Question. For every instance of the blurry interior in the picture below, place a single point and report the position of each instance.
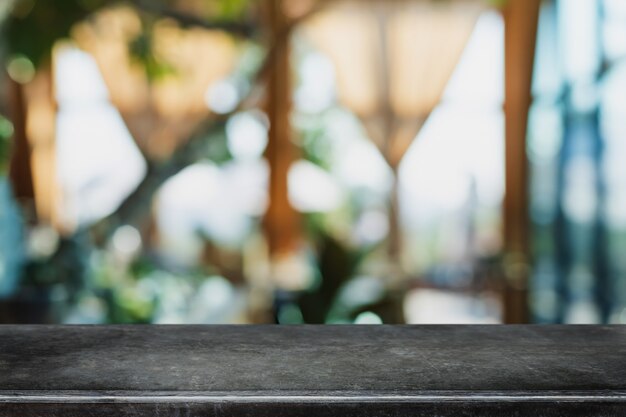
(312, 161)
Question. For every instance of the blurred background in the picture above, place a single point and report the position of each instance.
(312, 161)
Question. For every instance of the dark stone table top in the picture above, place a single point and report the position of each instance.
(313, 370)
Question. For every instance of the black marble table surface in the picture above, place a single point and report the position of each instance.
(275, 371)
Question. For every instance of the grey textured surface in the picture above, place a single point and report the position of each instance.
(313, 370)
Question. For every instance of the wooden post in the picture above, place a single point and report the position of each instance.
(20, 171)
(520, 17)
(41, 126)
(282, 223)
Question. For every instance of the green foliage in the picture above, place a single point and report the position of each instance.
(66, 267)
(6, 131)
(232, 9)
(117, 285)
(217, 147)
(130, 305)
(218, 152)
(34, 26)
(141, 49)
(314, 140)
(337, 265)
(498, 3)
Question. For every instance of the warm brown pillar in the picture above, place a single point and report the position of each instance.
(41, 126)
(520, 17)
(20, 173)
(282, 223)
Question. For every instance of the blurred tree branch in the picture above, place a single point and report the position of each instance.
(133, 209)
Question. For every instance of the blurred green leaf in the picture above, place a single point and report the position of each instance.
(6, 131)
(217, 147)
(498, 3)
(141, 50)
(33, 27)
(232, 9)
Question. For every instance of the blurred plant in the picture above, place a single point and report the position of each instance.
(498, 3)
(148, 290)
(6, 131)
(340, 294)
(336, 266)
(117, 284)
(55, 260)
(142, 51)
(33, 27)
(314, 141)
(233, 9)
(52, 276)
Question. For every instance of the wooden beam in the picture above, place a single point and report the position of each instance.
(520, 17)
(20, 171)
(282, 223)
